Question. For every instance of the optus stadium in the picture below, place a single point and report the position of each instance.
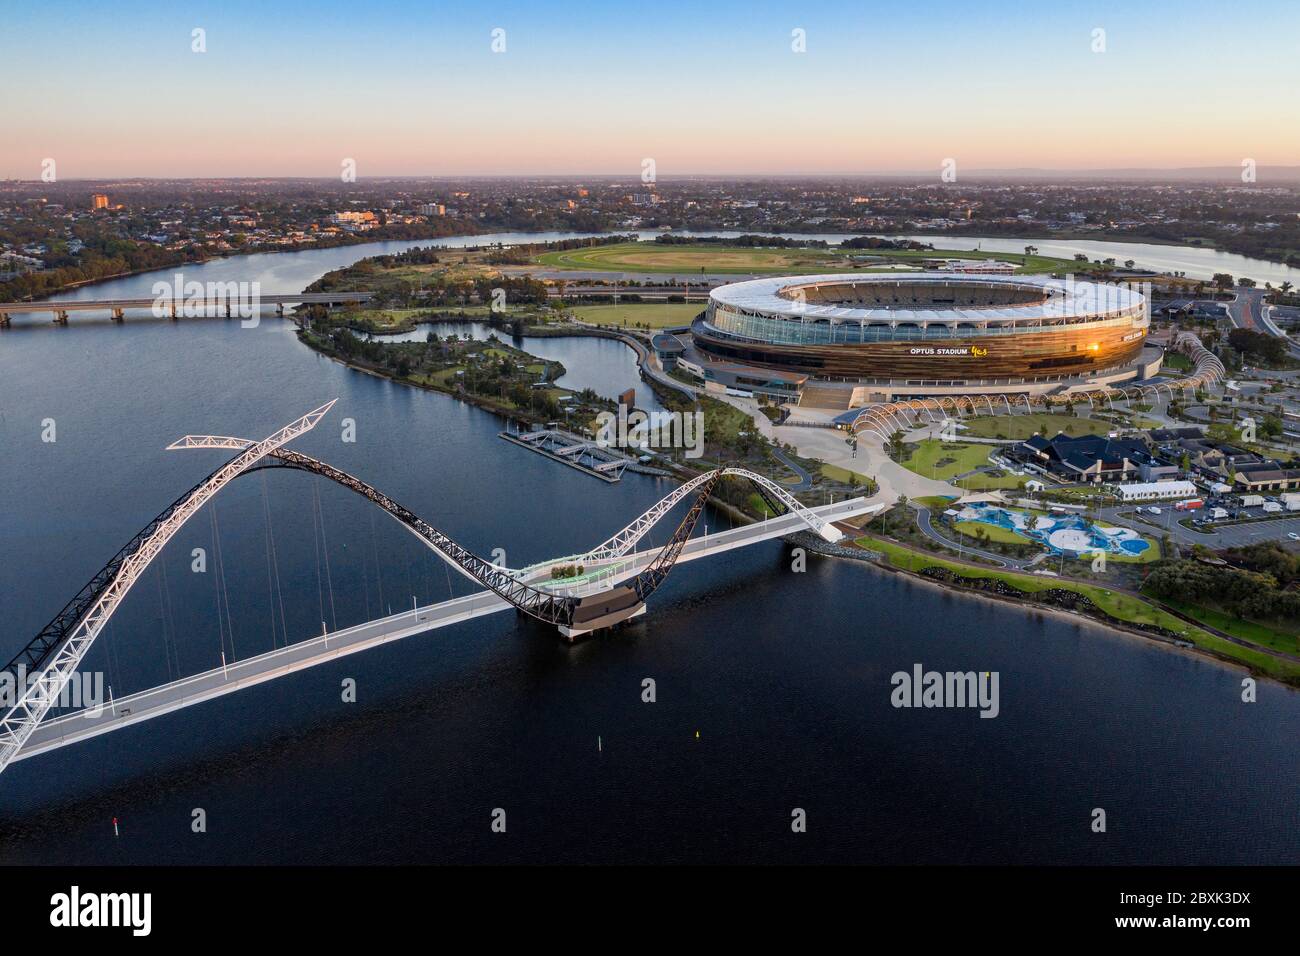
(857, 339)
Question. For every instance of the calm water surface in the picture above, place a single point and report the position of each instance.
(773, 687)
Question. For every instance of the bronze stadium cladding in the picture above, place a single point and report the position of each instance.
(1038, 354)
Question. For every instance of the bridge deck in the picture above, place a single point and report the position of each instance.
(215, 300)
(165, 698)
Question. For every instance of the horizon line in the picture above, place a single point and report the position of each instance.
(1037, 171)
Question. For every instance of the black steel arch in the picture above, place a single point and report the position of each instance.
(559, 610)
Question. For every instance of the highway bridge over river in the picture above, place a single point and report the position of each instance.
(216, 301)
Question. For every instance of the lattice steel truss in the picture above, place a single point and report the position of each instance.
(61, 645)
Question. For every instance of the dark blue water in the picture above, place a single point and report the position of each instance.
(783, 676)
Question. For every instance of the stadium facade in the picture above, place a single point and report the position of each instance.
(892, 335)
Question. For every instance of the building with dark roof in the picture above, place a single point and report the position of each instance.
(1096, 458)
(1266, 476)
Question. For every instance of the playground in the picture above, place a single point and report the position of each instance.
(1071, 534)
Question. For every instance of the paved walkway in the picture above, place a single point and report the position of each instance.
(805, 479)
(831, 446)
(930, 531)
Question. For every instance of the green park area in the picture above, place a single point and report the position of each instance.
(1276, 636)
(1020, 426)
(844, 476)
(1121, 607)
(639, 314)
(944, 461)
(932, 458)
(717, 258)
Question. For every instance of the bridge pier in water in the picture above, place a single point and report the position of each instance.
(600, 611)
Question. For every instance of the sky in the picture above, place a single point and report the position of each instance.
(111, 90)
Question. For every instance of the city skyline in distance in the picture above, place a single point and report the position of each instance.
(735, 90)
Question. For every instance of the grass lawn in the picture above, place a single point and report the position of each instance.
(1122, 607)
(1020, 427)
(1262, 634)
(655, 315)
(707, 257)
(935, 501)
(986, 482)
(992, 532)
(746, 260)
(964, 457)
(844, 476)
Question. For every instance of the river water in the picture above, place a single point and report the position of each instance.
(773, 687)
(606, 366)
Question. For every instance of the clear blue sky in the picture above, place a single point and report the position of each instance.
(414, 88)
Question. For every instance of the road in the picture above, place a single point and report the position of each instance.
(1248, 311)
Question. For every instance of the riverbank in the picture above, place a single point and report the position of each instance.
(451, 378)
(181, 262)
(1123, 611)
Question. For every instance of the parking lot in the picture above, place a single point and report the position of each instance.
(1219, 536)
(1250, 532)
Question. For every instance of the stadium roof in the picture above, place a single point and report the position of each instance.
(1062, 298)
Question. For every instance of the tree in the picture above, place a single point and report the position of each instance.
(896, 445)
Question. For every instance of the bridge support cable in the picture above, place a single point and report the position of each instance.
(778, 499)
(58, 651)
(645, 583)
(539, 603)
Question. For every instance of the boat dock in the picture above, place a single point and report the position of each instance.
(584, 454)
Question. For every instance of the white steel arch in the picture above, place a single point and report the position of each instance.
(626, 538)
(42, 691)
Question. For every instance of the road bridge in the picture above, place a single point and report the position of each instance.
(220, 299)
